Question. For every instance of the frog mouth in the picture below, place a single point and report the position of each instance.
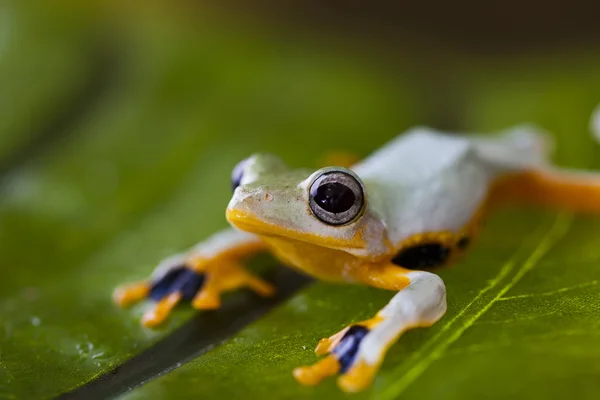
(250, 223)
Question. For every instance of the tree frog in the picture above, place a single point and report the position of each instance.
(388, 221)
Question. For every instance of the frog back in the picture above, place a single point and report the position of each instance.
(424, 182)
(427, 181)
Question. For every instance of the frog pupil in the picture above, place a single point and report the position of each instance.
(334, 197)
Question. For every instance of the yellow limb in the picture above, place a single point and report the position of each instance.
(200, 262)
(227, 276)
(575, 191)
(383, 276)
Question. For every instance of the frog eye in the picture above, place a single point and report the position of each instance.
(336, 197)
(237, 174)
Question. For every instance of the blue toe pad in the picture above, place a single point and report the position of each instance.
(179, 279)
(346, 350)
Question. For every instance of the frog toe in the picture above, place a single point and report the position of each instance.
(161, 310)
(127, 295)
(313, 374)
(358, 377)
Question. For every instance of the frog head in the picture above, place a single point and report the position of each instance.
(327, 208)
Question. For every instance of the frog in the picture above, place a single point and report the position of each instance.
(388, 221)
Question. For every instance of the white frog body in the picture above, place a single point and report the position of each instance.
(428, 181)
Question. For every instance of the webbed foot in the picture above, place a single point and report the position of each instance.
(180, 282)
(341, 352)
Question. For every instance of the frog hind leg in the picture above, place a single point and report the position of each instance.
(338, 158)
(521, 155)
(357, 351)
(577, 191)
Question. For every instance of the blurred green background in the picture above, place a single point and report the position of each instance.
(120, 124)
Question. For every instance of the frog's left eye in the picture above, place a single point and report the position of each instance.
(237, 174)
(336, 198)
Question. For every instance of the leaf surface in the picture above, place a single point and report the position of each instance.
(145, 173)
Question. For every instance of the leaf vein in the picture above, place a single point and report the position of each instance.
(550, 293)
(519, 319)
(477, 348)
(558, 230)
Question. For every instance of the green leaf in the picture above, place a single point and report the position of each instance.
(44, 71)
(523, 304)
(145, 173)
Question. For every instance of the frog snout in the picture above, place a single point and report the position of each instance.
(250, 200)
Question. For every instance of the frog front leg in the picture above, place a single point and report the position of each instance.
(198, 276)
(357, 351)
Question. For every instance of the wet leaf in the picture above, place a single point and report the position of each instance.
(145, 173)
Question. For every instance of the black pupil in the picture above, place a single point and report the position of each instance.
(334, 197)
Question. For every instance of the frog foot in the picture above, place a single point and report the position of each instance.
(341, 352)
(202, 288)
